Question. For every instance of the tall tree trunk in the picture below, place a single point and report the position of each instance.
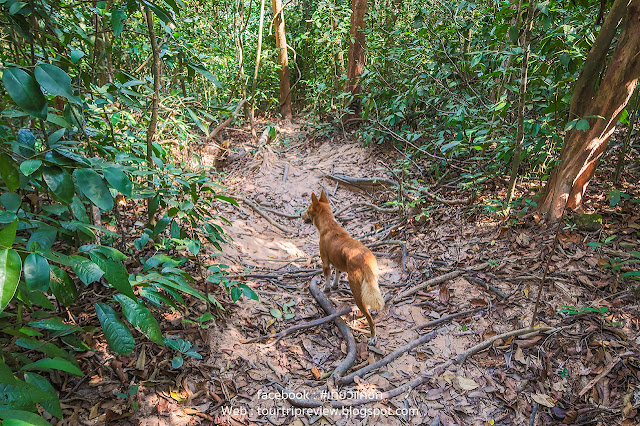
(524, 75)
(356, 55)
(255, 74)
(283, 60)
(582, 150)
(155, 68)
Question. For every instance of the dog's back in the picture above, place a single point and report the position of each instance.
(348, 255)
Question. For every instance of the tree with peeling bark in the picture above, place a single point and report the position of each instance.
(601, 108)
(283, 59)
(355, 65)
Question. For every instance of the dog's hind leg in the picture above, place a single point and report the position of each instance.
(357, 288)
(326, 271)
(336, 279)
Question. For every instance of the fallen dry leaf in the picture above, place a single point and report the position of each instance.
(543, 399)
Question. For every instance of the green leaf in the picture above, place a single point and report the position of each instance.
(48, 364)
(514, 34)
(160, 12)
(93, 187)
(29, 166)
(19, 418)
(141, 317)
(142, 241)
(229, 200)
(52, 405)
(117, 334)
(43, 238)
(118, 180)
(194, 247)
(247, 291)
(62, 287)
(60, 183)
(75, 55)
(11, 201)
(275, 312)
(199, 123)
(177, 362)
(8, 234)
(86, 270)
(55, 81)
(206, 74)
(10, 268)
(36, 272)
(582, 124)
(115, 273)
(9, 172)
(25, 92)
(117, 18)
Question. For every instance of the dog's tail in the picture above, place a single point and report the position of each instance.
(371, 295)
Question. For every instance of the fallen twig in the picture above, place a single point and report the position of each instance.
(455, 202)
(596, 379)
(369, 205)
(257, 209)
(277, 276)
(355, 181)
(444, 319)
(395, 242)
(387, 359)
(287, 215)
(342, 326)
(461, 358)
(226, 122)
(488, 286)
(294, 328)
(432, 281)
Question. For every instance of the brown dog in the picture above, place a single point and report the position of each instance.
(337, 248)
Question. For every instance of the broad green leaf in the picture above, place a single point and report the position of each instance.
(25, 92)
(75, 55)
(48, 364)
(118, 180)
(514, 34)
(10, 268)
(229, 200)
(29, 166)
(275, 312)
(206, 74)
(60, 183)
(22, 418)
(86, 270)
(47, 348)
(117, 334)
(141, 317)
(54, 324)
(79, 210)
(115, 273)
(194, 247)
(55, 81)
(142, 241)
(26, 142)
(93, 187)
(36, 272)
(62, 286)
(11, 201)
(52, 405)
(43, 238)
(582, 124)
(177, 362)
(159, 12)
(117, 18)
(8, 234)
(9, 172)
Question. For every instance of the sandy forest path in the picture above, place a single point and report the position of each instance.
(501, 385)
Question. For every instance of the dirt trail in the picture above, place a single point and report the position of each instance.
(496, 385)
(259, 247)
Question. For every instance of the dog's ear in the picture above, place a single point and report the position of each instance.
(323, 197)
(314, 199)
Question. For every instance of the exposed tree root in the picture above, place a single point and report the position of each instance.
(295, 328)
(226, 122)
(258, 210)
(460, 359)
(369, 205)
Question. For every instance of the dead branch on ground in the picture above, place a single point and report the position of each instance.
(297, 327)
(257, 209)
